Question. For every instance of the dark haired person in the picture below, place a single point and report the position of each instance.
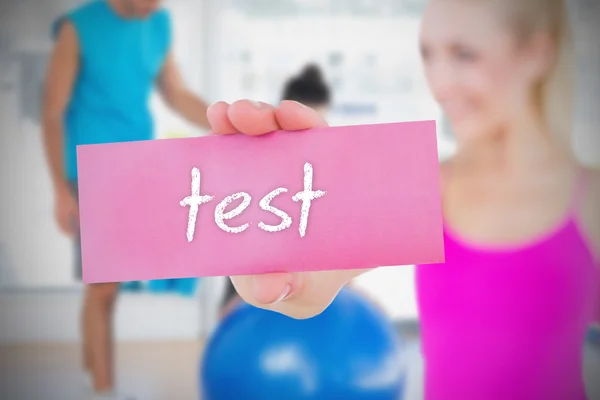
(309, 88)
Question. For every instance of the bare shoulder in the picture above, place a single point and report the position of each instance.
(66, 49)
(66, 33)
(590, 209)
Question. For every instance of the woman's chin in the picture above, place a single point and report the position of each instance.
(468, 133)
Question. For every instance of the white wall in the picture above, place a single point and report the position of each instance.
(27, 22)
(52, 315)
(585, 17)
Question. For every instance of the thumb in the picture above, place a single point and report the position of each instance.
(273, 288)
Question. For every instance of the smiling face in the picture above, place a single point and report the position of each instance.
(477, 70)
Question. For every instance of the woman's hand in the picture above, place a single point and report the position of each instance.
(298, 295)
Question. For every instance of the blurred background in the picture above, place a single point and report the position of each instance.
(227, 50)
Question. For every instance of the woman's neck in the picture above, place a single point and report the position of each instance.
(513, 149)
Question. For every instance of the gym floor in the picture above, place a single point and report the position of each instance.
(158, 370)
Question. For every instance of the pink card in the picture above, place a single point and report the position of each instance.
(320, 199)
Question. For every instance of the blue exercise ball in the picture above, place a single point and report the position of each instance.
(351, 351)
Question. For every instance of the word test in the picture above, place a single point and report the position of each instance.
(196, 199)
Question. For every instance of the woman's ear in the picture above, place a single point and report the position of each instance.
(541, 52)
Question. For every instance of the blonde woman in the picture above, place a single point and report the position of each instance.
(505, 317)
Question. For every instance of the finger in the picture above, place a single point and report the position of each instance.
(271, 288)
(266, 289)
(219, 120)
(293, 116)
(253, 118)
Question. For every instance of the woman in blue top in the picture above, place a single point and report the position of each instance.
(107, 58)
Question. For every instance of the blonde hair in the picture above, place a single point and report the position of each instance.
(555, 94)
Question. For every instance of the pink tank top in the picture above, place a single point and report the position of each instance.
(508, 324)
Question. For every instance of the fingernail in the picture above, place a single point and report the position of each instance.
(287, 291)
(215, 103)
(255, 104)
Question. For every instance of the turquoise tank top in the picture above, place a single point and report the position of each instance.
(120, 60)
